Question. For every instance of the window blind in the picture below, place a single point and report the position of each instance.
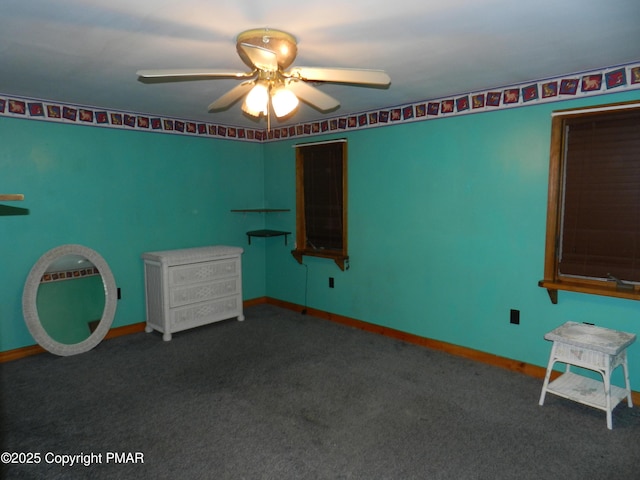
(323, 198)
(600, 230)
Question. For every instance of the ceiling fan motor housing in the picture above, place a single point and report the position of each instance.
(283, 44)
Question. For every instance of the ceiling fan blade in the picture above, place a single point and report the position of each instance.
(312, 95)
(342, 75)
(261, 58)
(191, 74)
(231, 97)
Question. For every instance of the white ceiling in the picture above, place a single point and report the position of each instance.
(86, 52)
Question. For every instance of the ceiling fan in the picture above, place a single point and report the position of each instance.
(269, 86)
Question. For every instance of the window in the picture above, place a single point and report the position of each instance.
(593, 215)
(321, 201)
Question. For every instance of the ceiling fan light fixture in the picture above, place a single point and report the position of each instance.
(271, 88)
(257, 101)
(283, 101)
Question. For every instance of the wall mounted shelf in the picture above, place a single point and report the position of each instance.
(10, 197)
(264, 232)
(7, 210)
(267, 233)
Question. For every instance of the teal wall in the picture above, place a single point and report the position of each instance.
(447, 224)
(120, 193)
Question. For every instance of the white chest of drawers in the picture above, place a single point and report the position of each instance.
(192, 287)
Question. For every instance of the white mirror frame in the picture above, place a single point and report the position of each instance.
(30, 295)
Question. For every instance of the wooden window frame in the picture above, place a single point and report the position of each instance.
(340, 256)
(553, 280)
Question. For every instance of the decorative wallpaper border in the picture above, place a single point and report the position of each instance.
(597, 82)
(48, 277)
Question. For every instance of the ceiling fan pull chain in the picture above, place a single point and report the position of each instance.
(269, 112)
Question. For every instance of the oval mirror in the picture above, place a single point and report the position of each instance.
(69, 300)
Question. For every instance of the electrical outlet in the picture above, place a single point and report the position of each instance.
(331, 282)
(119, 294)
(514, 317)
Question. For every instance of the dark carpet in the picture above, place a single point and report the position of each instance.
(287, 396)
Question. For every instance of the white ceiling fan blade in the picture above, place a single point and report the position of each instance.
(177, 73)
(261, 58)
(231, 97)
(312, 95)
(342, 75)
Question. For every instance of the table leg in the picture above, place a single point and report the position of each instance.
(606, 376)
(548, 374)
(627, 384)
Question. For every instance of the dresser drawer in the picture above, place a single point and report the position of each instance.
(190, 316)
(576, 355)
(203, 291)
(202, 272)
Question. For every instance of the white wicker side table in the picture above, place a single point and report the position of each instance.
(594, 348)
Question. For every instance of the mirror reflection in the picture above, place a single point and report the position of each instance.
(70, 299)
